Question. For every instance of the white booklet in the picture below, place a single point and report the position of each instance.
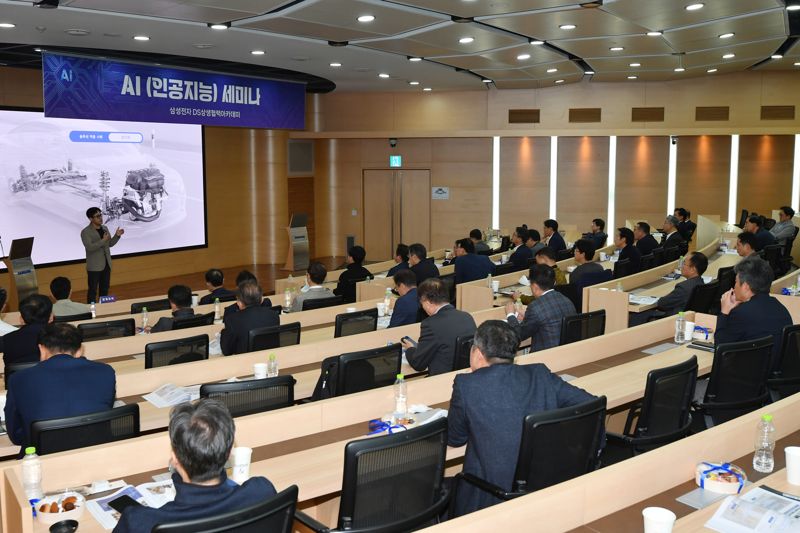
(154, 494)
(760, 510)
(169, 395)
(635, 299)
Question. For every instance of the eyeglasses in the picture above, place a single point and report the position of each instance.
(98, 215)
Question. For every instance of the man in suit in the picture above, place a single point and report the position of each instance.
(97, 241)
(406, 308)
(783, 230)
(645, 242)
(488, 406)
(755, 225)
(693, 268)
(598, 236)
(521, 253)
(542, 320)
(436, 348)
(313, 290)
(552, 237)
(201, 438)
(584, 255)
(22, 345)
(63, 384)
(215, 284)
(748, 312)
(354, 272)
(534, 242)
(251, 315)
(624, 241)
(477, 239)
(401, 258)
(685, 226)
(746, 244)
(422, 266)
(470, 266)
(241, 277)
(546, 257)
(61, 289)
(180, 301)
(672, 238)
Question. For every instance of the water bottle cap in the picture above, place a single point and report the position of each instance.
(272, 357)
(400, 376)
(30, 450)
(144, 309)
(216, 300)
(766, 418)
(680, 313)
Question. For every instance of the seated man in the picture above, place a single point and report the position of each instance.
(645, 242)
(180, 301)
(542, 320)
(534, 242)
(315, 277)
(624, 241)
(552, 237)
(488, 406)
(401, 258)
(584, 255)
(748, 311)
(61, 289)
(598, 236)
(477, 239)
(422, 266)
(755, 225)
(241, 277)
(22, 345)
(354, 272)
(694, 265)
(672, 238)
(746, 244)
(406, 307)
(201, 436)
(470, 266)
(783, 230)
(214, 283)
(437, 341)
(251, 315)
(63, 384)
(685, 226)
(547, 257)
(5, 327)
(521, 254)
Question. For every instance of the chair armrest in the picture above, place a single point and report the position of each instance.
(485, 486)
(310, 523)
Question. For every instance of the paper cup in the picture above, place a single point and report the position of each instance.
(504, 258)
(381, 308)
(195, 300)
(260, 370)
(495, 285)
(793, 464)
(658, 520)
(2, 405)
(240, 462)
(688, 331)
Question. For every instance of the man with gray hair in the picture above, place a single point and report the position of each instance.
(488, 406)
(251, 315)
(672, 236)
(201, 438)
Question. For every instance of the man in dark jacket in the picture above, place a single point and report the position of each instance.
(422, 266)
(645, 242)
(406, 308)
(214, 282)
(180, 302)
(470, 266)
(251, 315)
(22, 345)
(354, 273)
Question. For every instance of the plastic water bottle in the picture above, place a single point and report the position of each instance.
(763, 459)
(619, 287)
(400, 398)
(489, 281)
(387, 299)
(144, 319)
(680, 266)
(217, 310)
(287, 298)
(32, 474)
(93, 309)
(272, 366)
(680, 329)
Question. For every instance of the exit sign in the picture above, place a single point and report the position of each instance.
(395, 161)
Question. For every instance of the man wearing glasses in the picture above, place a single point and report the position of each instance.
(97, 240)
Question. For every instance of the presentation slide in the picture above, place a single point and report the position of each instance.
(146, 178)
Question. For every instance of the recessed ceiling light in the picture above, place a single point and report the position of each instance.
(567, 26)
(679, 69)
(728, 56)
(776, 56)
(589, 72)
(257, 52)
(203, 46)
(727, 35)
(300, 58)
(616, 49)
(635, 65)
(793, 7)
(7, 25)
(366, 18)
(551, 70)
(383, 75)
(797, 64)
(141, 38)
(466, 40)
(632, 77)
(537, 43)
(220, 26)
(694, 7)
(77, 32)
(415, 59)
(654, 34)
(523, 57)
(486, 80)
(711, 70)
(427, 89)
(336, 64)
(413, 83)
(559, 81)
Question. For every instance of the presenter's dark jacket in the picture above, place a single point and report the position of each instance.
(647, 244)
(486, 413)
(238, 325)
(347, 281)
(437, 340)
(59, 387)
(520, 256)
(196, 501)
(165, 322)
(234, 308)
(405, 309)
(557, 243)
(635, 256)
(22, 345)
(672, 240)
(676, 301)
(764, 238)
(219, 292)
(762, 315)
(542, 322)
(403, 265)
(470, 267)
(425, 269)
(98, 251)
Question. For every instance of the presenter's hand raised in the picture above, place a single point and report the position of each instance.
(119, 232)
(106, 236)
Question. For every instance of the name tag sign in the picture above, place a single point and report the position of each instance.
(83, 87)
(107, 299)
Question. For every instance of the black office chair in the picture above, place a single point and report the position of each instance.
(393, 483)
(11, 369)
(648, 261)
(273, 337)
(463, 348)
(582, 326)
(277, 308)
(703, 297)
(320, 303)
(252, 396)
(787, 248)
(485, 252)
(570, 290)
(73, 318)
(110, 329)
(622, 268)
(769, 223)
(505, 244)
(743, 218)
(726, 278)
(275, 515)
(358, 371)
(773, 254)
(672, 253)
(153, 305)
(658, 256)
(195, 321)
(449, 282)
(587, 280)
(561, 255)
(738, 382)
(224, 299)
(556, 446)
(349, 289)
(507, 268)
(70, 433)
(784, 379)
(176, 351)
(662, 416)
(354, 323)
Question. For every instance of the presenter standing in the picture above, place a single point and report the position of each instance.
(97, 240)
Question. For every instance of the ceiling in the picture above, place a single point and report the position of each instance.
(517, 44)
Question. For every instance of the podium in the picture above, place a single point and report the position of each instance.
(298, 255)
(21, 272)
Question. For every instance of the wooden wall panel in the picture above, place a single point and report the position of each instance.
(301, 200)
(702, 174)
(524, 181)
(765, 172)
(582, 192)
(641, 185)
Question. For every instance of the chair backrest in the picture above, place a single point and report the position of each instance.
(355, 323)
(176, 351)
(672, 253)
(193, 321)
(505, 243)
(727, 278)
(667, 399)
(277, 308)
(658, 255)
(153, 305)
(622, 268)
(559, 445)
(349, 289)
(589, 279)
(395, 479)
(570, 290)
(319, 303)
(275, 515)
(270, 337)
(368, 369)
(449, 282)
(703, 297)
(564, 254)
(69, 433)
(463, 347)
(787, 248)
(772, 255)
(253, 395)
(769, 223)
(10, 369)
(743, 218)
(648, 261)
(73, 318)
(507, 268)
(110, 329)
(785, 376)
(582, 326)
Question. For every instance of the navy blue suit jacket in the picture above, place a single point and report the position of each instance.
(425, 269)
(59, 387)
(521, 256)
(234, 308)
(473, 266)
(397, 268)
(486, 413)
(556, 242)
(238, 325)
(405, 309)
(437, 340)
(764, 238)
(635, 256)
(219, 292)
(647, 244)
(22, 346)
